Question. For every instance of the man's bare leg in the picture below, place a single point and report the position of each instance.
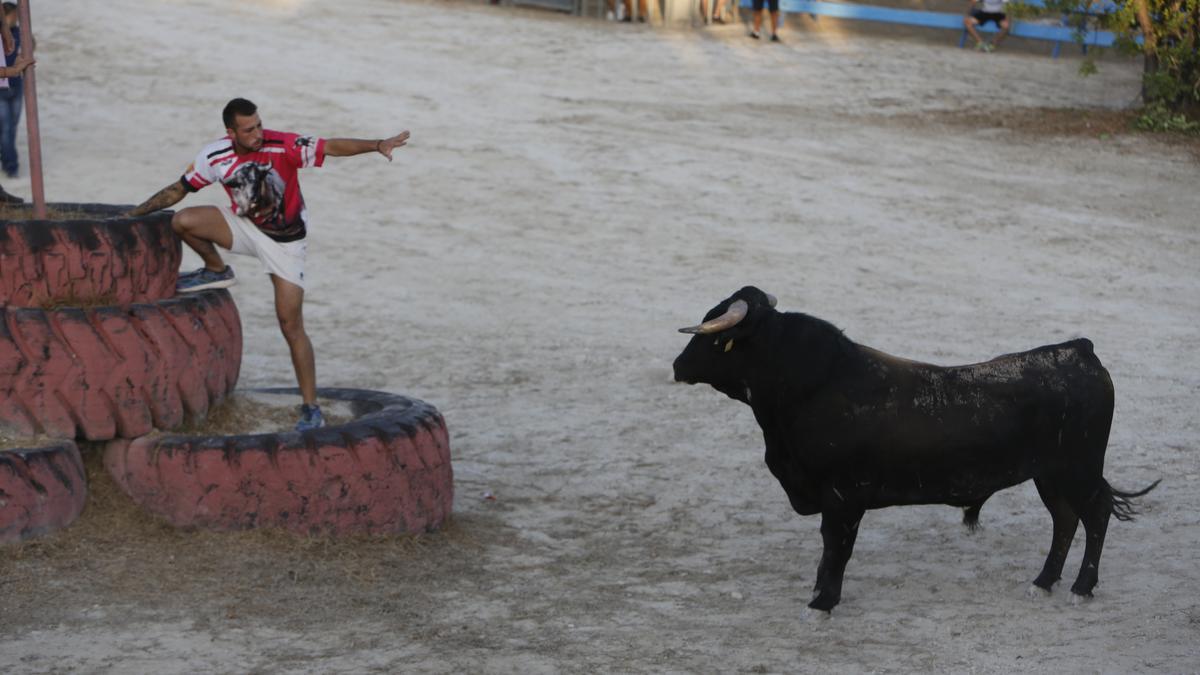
(201, 227)
(289, 304)
(970, 24)
(1004, 26)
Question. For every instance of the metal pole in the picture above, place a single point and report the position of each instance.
(31, 116)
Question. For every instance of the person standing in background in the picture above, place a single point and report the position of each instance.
(12, 94)
(773, 7)
(718, 10)
(643, 11)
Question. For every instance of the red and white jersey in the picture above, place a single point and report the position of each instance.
(262, 185)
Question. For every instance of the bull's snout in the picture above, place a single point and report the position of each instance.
(680, 372)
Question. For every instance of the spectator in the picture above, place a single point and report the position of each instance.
(979, 14)
(12, 93)
(14, 66)
(773, 6)
(718, 13)
(628, 6)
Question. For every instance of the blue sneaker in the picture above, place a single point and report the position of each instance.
(310, 418)
(204, 279)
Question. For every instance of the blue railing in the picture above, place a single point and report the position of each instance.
(948, 20)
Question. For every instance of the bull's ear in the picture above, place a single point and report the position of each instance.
(755, 314)
(748, 326)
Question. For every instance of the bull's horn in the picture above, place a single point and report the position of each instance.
(771, 300)
(731, 317)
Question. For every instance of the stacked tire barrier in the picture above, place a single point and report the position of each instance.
(42, 489)
(93, 346)
(387, 471)
(101, 255)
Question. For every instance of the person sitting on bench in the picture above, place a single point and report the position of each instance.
(979, 14)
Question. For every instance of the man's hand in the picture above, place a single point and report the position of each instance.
(168, 196)
(348, 147)
(386, 146)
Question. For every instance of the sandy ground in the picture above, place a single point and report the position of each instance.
(574, 191)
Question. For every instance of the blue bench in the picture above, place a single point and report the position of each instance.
(1024, 29)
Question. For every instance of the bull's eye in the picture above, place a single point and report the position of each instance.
(728, 345)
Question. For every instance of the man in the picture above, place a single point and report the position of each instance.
(987, 10)
(267, 219)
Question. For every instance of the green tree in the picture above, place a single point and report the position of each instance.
(1167, 34)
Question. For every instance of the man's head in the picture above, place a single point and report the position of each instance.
(243, 125)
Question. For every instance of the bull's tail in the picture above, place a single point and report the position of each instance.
(1122, 503)
(971, 514)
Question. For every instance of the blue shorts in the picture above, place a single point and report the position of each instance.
(773, 5)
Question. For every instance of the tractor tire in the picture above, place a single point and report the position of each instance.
(385, 472)
(107, 372)
(42, 489)
(107, 259)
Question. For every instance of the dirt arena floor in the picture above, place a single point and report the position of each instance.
(575, 191)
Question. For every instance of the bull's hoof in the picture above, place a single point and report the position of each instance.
(1083, 588)
(824, 602)
(1035, 591)
(816, 615)
(1080, 598)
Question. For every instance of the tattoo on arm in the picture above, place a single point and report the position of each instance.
(165, 197)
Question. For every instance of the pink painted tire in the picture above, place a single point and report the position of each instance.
(120, 371)
(105, 258)
(385, 472)
(41, 490)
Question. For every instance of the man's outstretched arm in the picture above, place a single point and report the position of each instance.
(346, 147)
(168, 196)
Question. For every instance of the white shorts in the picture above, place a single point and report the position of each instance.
(283, 259)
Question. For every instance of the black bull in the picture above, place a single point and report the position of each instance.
(848, 428)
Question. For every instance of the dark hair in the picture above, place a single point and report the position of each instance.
(238, 106)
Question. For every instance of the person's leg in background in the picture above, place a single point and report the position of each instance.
(11, 101)
(758, 16)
